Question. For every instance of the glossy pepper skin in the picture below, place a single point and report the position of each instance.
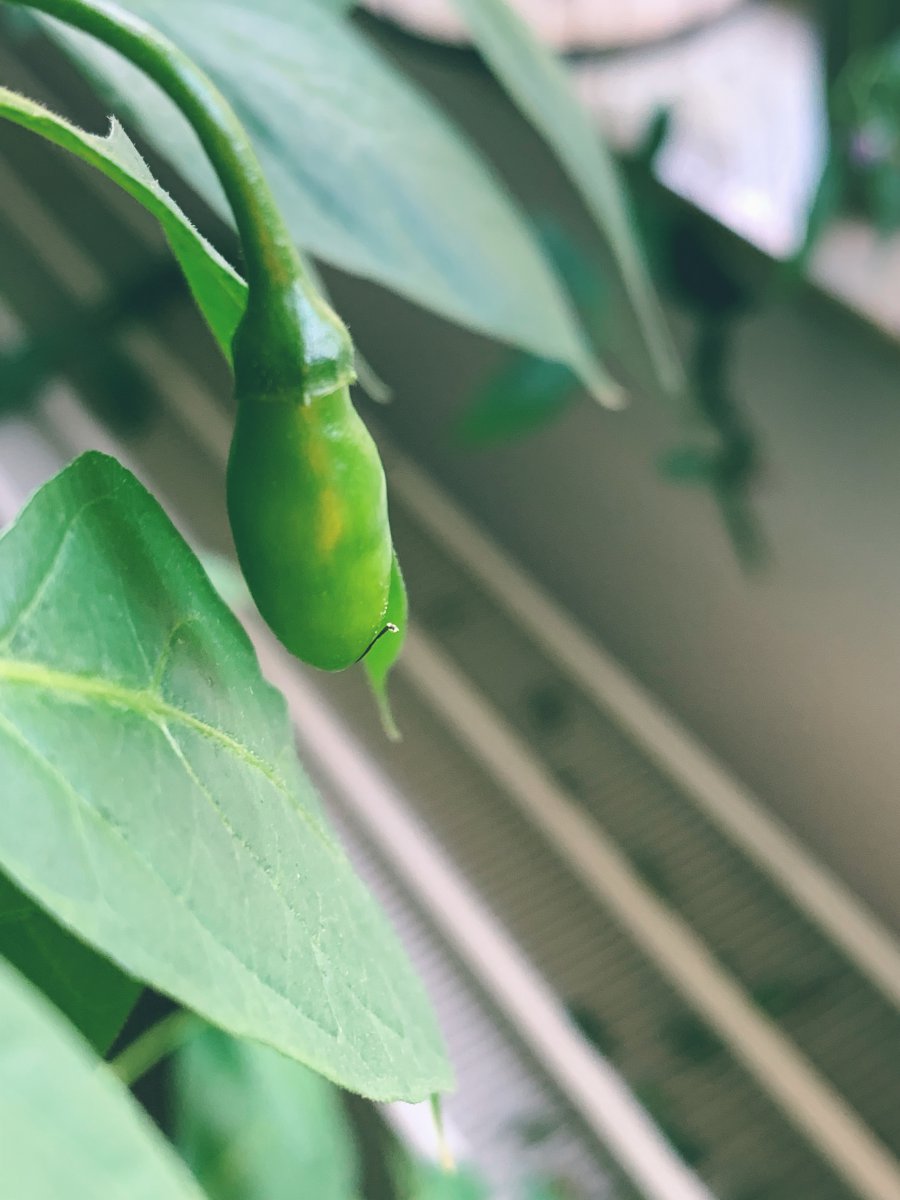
(308, 511)
(307, 499)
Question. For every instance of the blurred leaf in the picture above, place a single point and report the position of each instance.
(826, 204)
(537, 83)
(370, 177)
(653, 137)
(667, 1116)
(110, 384)
(743, 527)
(690, 464)
(253, 1125)
(549, 706)
(691, 1038)
(379, 1152)
(82, 346)
(699, 273)
(371, 382)
(726, 457)
(154, 803)
(594, 1029)
(851, 31)
(526, 393)
(536, 1129)
(87, 988)
(380, 660)
(767, 1190)
(577, 267)
(551, 1189)
(69, 1128)
(433, 1183)
(866, 129)
(779, 997)
(653, 869)
(523, 396)
(884, 192)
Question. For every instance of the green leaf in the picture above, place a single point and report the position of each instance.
(536, 82)
(370, 176)
(253, 1125)
(549, 1189)
(433, 1183)
(380, 660)
(525, 394)
(690, 464)
(90, 990)
(69, 1128)
(153, 801)
(218, 290)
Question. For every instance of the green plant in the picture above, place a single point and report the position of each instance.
(156, 829)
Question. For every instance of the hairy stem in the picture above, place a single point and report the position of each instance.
(268, 247)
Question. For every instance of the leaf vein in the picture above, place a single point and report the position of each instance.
(82, 804)
(154, 707)
(46, 579)
(261, 865)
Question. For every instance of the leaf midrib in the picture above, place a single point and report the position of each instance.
(143, 701)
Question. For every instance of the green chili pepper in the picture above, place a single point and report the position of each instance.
(306, 490)
(306, 498)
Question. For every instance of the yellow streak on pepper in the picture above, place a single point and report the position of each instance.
(330, 524)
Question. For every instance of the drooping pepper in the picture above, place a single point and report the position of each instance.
(306, 490)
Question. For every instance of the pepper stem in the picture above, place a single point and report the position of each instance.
(272, 264)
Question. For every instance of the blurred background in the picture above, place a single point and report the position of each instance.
(641, 835)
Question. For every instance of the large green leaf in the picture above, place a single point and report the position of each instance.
(537, 83)
(369, 175)
(253, 1125)
(67, 1126)
(92, 992)
(219, 291)
(153, 801)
